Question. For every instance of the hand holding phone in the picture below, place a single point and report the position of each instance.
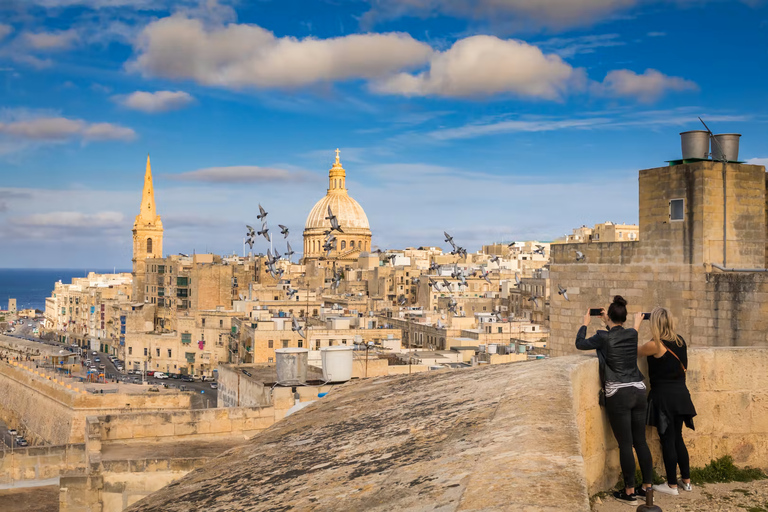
(646, 316)
(595, 311)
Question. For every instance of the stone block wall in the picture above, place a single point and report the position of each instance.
(729, 388)
(40, 462)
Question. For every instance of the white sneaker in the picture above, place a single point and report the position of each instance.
(684, 486)
(666, 489)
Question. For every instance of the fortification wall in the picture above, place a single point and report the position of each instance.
(729, 388)
(40, 462)
(712, 308)
(53, 411)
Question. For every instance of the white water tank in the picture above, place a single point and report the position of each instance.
(695, 144)
(291, 366)
(729, 142)
(337, 363)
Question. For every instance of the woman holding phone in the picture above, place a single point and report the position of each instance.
(625, 401)
(669, 402)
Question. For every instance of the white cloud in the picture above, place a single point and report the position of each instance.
(69, 219)
(758, 161)
(5, 31)
(549, 13)
(241, 55)
(571, 46)
(244, 174)
(646, 87)
(51, 41)
(53, 129)
(153, 102)
(486, 65)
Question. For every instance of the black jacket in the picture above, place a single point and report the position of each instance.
(617, 351)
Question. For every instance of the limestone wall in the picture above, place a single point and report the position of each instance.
(40, 462)
(181, 426)
(729, 388)
(712, 308)
(54, 412)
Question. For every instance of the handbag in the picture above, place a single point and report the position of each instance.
(685, 370)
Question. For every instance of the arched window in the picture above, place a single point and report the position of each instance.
(149, 246)
(343, 244)
(352, 244)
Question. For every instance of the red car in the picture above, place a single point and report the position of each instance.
(151, 373)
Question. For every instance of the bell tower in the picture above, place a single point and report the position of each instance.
(147, 236)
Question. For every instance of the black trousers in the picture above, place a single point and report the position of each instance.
(626, 413)
(674, 451)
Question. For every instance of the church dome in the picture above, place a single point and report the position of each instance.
(348, 211)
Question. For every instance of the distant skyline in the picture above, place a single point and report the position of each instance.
(491, 119)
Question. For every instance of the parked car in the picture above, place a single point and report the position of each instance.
(102, 367)
(23, 442)
(13, 432)
(150, 373)
(160, 375)
(119, 368)
(187, 378)
(214, 385)
(94, 353)
(182, 387)
(97, 359)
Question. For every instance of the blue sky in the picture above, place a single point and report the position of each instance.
(492, 119)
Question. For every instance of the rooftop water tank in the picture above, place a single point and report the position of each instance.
(337, 363)
(695, 144)
(291, 366)
(729, 142)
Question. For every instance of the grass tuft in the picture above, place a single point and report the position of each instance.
(723, 470)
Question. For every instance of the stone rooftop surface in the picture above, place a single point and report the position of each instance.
(489, 438)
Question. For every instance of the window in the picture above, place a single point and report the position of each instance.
(169, 353)
(221, 323)
(270, 360)
(499, 330)
(130, 351)
(285, 343)
(203, 321)
(677, 209)
(149, 245)
(186, 337)
(343, 244)
(301, 343)
(145, 351)
(182, 281)
(158, 352)
(352, 244)
(271, 344)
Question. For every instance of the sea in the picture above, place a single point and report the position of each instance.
(30, 286)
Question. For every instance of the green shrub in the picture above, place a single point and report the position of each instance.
(657, 479)
(723, 470)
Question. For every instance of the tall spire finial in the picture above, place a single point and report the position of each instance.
(337, 155)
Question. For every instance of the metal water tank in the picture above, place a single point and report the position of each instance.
(695, 144)
(337, 363)
(291, 366)
(729, 142)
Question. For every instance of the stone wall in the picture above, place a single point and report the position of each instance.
(40, 462)
(729, 388)
(712, 308)
(53, 412)
(181, 426)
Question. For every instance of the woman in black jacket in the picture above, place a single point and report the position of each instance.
(625, 401)
(669, 402)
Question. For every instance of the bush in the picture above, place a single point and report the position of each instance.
(657, 479)
(723, 470)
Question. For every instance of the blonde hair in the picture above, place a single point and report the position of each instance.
(663, 327)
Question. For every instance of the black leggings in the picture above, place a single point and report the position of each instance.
(674, 451)
(626, 413)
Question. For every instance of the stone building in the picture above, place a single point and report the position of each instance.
(701, 253)
(147, 236)
(356, 233)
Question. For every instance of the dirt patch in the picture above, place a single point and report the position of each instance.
(730, 497)
(32, 499)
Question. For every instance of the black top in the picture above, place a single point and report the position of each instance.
(669, 396)
(617, 351)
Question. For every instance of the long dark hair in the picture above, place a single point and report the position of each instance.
(617, 311)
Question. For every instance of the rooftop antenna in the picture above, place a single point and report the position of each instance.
(713, 140)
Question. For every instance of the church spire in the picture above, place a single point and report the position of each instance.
(148, 213)
(337, 177)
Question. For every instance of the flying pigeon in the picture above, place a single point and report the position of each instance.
(250, 241)
(440, 325)
(297, 328)
(511, 245)
(264, 231)
(283, 230)
(494, 259)
(564, 292)
(334, 221)
(434, 266)
(449, 239)
(433, 283)
(402, 300)
(484, 275)
(292, 292)
(517, 280)
(539, 249)
(262, 213)
(452, 306)
(414, 280)
(289, 253)
(251, 232)
(534, 299)
(446, 283)
(580, 256)
(183, 255)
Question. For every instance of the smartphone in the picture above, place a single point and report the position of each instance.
(646, 316)
(595, 311)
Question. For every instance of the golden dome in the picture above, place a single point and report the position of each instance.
(348, 211)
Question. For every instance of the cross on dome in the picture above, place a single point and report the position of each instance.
(337, 155)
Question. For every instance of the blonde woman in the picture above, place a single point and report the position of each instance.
(669, 402)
